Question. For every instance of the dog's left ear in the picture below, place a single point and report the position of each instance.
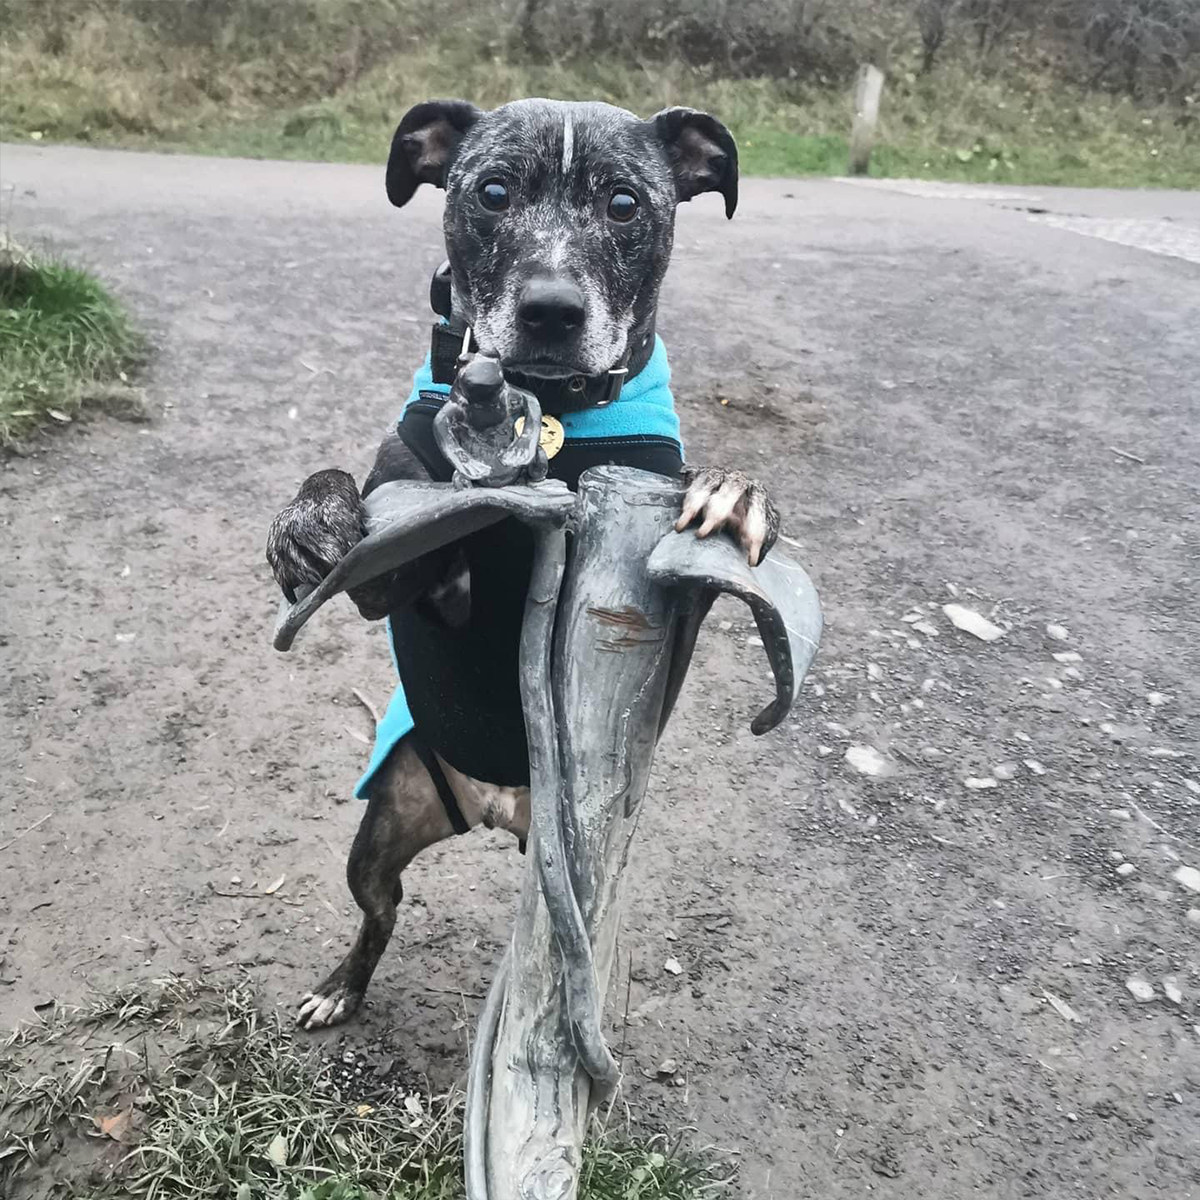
(702, 154)
(424, 144)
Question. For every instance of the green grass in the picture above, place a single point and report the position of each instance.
(332, 84)
(64, 341)
(180, 1090)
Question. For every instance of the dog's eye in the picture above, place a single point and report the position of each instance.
(623, 205)
(493, 195)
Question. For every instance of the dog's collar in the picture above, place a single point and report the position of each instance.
(572, 394)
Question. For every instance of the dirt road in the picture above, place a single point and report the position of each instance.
(955, 399)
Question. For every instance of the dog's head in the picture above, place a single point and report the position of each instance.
(560, 218)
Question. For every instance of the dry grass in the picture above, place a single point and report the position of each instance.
(328, 79)
(181, 1090)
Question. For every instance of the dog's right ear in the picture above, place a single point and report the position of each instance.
(424, 145)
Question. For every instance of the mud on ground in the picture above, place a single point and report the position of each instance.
(955, 401)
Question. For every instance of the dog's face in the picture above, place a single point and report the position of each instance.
(560, 218)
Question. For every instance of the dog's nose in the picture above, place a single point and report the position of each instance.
(551, 309)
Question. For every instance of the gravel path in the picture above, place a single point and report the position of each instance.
(956, 400)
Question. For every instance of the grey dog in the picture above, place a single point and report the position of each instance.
(559, 222)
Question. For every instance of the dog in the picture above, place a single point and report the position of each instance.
(559, 222)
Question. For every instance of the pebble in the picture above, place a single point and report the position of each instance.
(1140, 990)
(1068, 656)
(1005, 771)
(866, 760)
(926, 628)
(979, 782)
(969, 621)
(824, 751)
(1189, 877)
(1057, 632)
(1035, 767)
(1171, 988)
(1157, 699)
(1073, 673)
(1126, 869)
(930, 752)
(874, 672)
(1193, 915)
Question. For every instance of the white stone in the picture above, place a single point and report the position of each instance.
(1140, 990)
(1172, 990)
(1057, 632)
(1189, 877)
(979, 782)
(866, 760)
(1068, 656)
(926, 628)
(969, 621)
(1035, 767)
(874, 672)
(1126, 869)
(1157, 699)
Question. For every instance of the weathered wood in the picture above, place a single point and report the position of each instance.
(868, 91)
(611, 653)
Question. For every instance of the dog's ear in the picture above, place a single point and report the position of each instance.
(702, 153)
(424, 144)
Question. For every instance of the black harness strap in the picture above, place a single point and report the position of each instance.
(429, 761)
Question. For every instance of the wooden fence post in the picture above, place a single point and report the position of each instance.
(867, 93)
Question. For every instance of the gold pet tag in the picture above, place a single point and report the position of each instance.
(552, 436)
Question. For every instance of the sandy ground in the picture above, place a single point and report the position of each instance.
(954, 398)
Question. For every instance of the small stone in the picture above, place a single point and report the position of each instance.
(927, 685)
(1035, 767)
(866, 760)
(824, 751)
(1192, 786)
(1172, 990)
(1193, 915)
(1055, 685)
(1005, 771)
(979, 783)
(969, 621)
(1140, 990)
(1121, 814)
(1189, 877)
(926, 628)
(725, 626)
(1073, 673)
(1068, 656)
(874, 672)
(929, 753)
(1126, 869)
(1157, 699)
(672, 967)
(1057, 632)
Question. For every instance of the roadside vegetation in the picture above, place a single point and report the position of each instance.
(64, 343)
(181, 1090)
(1033, 91)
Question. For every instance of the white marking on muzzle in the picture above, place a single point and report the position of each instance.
(568, 142)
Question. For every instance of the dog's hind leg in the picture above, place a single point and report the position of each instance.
(404, 816)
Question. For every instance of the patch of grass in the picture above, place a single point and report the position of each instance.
(331, 81)
(181, 1090)
(64, 340)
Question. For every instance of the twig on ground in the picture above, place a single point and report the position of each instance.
(1141, 812)
(1125, 454)
(13, 840)
(366, 703)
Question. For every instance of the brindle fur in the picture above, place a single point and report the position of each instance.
(561, 163)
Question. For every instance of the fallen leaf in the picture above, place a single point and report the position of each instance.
(277, 1151)
(116, 1126)
(58, 415)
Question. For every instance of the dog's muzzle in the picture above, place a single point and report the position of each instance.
(570, 394)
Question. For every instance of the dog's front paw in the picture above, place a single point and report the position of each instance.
(332, 1003)
(321, 525)
(730, 501)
